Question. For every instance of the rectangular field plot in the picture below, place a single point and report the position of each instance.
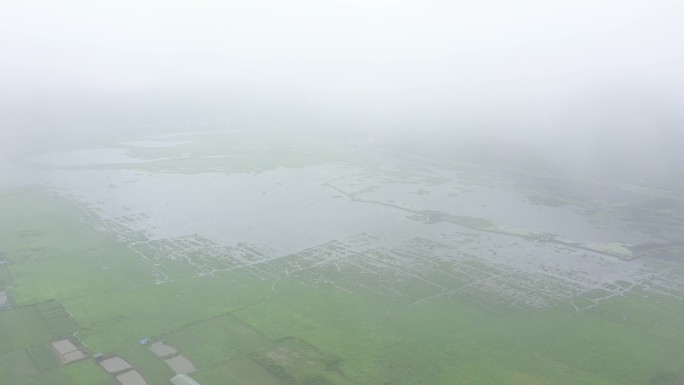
(67, 351)
(43, 357)
(57, 318)
(240, 371)
(131, 377)
(297, 362)
(217, 340)
(56, 377)
(180, 364)
(5, 340)
(16, 366)
(24, 326)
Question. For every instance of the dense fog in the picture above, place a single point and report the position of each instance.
(341, 192)
(585, 86)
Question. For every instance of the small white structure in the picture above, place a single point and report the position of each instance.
(183, 379)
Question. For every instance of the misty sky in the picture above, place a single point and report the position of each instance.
(527, 66)
(422, 52)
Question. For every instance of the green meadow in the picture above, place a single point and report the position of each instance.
(243, 326)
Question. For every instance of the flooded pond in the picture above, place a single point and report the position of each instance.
(333, 210)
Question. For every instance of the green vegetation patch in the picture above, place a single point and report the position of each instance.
(240, 371)
(43, 226)
(53, 255)
(16, 366)
(52, 377)
(296, 362)
(5, 338)
(110, 321)
(25, 327)
(57, 318)
(43, 357)
(217, 340)
(85, 372)
(626, 340)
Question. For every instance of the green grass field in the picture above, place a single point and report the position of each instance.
(241, 330)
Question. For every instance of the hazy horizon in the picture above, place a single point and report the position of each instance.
(576, 84)
(341, 192)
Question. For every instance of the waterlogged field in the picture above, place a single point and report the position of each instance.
(252, 259)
